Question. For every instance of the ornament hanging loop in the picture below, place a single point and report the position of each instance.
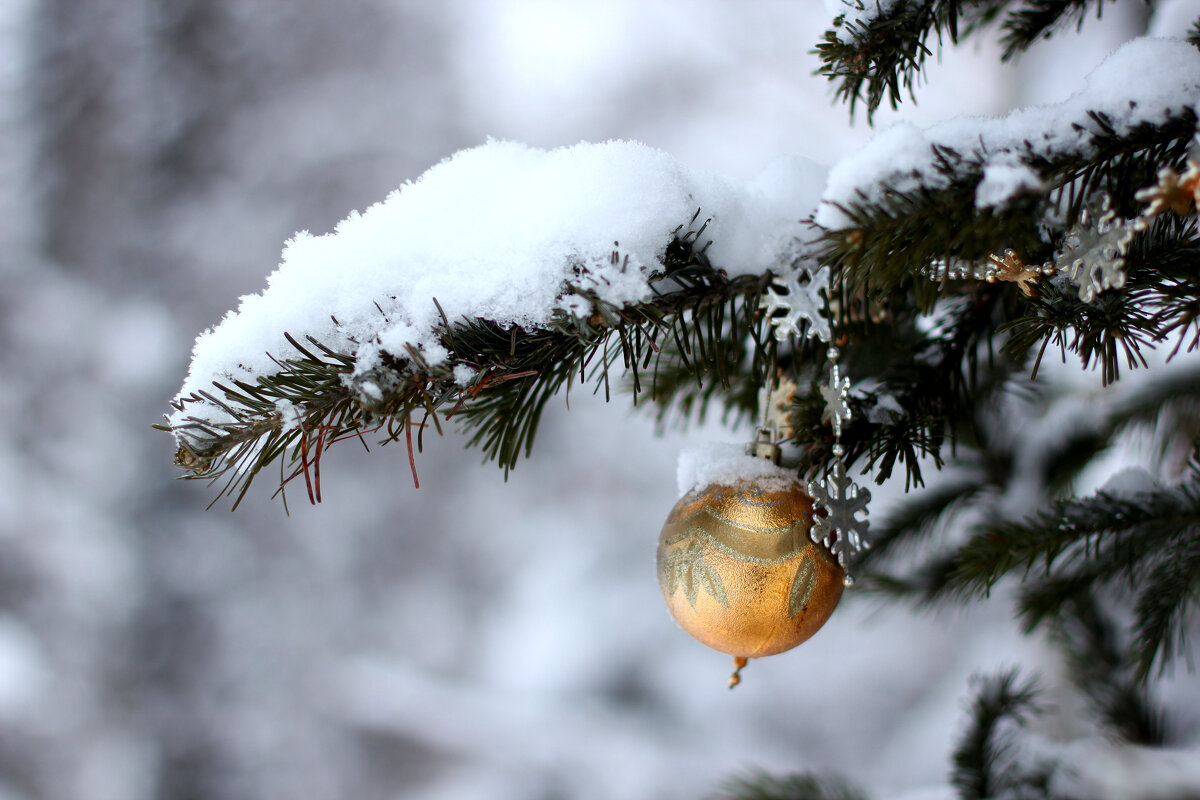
(763, 446)
(766, 436)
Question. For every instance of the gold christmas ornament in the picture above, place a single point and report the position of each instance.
(740, 571)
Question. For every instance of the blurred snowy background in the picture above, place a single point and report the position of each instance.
(475, 638)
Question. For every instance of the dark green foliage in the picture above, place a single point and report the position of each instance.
(892, 239)
(255, 438)
(1097, 662)
(1031, 20)
(1115, 328)
(895, 237)
(1147, 544)
(906, 562)
(1121, 162)
(1159, 303)
(1166, 264)
(805, 786)
(946, 382)
(983, 759)
(883, 58)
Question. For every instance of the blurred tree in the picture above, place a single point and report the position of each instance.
(148, 679)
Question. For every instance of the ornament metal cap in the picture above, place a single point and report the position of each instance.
(763, 447)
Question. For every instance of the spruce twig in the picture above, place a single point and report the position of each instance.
(983, 767)
(1148, 543)
(1098, 664)
(804, 786)
(1039, 19)
(881, 56)
(891, 238)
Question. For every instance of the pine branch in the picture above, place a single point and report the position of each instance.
(884, 57)
(1160, 302)
(1107, 534)
(1116, 327)
(1119, 162)
(982, 758)
(1148, 543)
(877, 52)
(1167, 262)
(892, 235)
(1163, 604)
(257, 434)
(705, 314)
(936, 576)
(927, 384)
(681, 391)
(892, 238)
(1040, 19)
(1098, 665)
(805, 786)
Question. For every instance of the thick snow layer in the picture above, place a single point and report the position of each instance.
(498, 232)
(1132, 86)
(727, 464)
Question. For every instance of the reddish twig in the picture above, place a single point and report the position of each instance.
(412, 462)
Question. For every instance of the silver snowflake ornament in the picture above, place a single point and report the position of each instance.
(802, 301)
(1094, 250)
(840, 530)
(836, 394)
